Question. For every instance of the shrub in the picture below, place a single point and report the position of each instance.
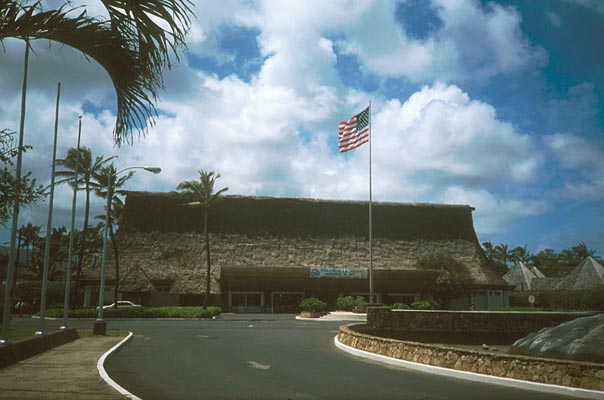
(588, 299)
(399, 306)
(313, 304)
(425, 305)
(348, 303)
(345, 303)
(139, 312)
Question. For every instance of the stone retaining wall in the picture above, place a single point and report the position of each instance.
(557, 372)
(23, 349)
(523, 323)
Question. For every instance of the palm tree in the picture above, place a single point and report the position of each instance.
(573, 256)
(87, 171)
(201, 193)
(29, 234)
(502, 253)
(115, 213)
(521, 254)
(134, 46)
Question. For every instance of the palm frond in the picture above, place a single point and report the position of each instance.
(131, 47)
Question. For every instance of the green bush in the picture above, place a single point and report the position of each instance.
(313, 304)
(139, 312)
(589, 299)
(425, 305)
(348, 303)
(399, 306)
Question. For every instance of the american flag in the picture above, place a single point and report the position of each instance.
(354, 132)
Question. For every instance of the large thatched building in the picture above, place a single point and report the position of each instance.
(269, 253)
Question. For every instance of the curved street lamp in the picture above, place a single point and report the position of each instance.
(100, 326)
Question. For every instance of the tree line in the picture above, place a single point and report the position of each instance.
(548, 261)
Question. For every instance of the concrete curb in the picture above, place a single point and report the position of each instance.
(101, 368)
(472, 376)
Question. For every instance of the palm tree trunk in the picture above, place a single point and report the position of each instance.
(82, 246)
(208, 268)
(117, 265)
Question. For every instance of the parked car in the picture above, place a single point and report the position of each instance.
(122, 304)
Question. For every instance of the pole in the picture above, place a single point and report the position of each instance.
(371, 295)
(73, 212)
(13, 234)
(49, 223)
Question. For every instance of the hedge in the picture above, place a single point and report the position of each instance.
(139, 312)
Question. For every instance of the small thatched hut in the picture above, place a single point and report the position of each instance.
(269, 253)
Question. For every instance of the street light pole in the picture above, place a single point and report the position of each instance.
(100, 326)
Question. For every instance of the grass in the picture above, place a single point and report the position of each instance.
(15, 335)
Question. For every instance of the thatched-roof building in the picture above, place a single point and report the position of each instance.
(585, 276)
(522, 277)
(269, 253)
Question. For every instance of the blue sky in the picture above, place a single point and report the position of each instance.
(495, 104)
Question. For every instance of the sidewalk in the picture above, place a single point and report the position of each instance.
(338, 316)
(65, 372)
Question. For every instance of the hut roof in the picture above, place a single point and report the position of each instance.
(299, 217)
(585, 276)
(520, 276)
(163, 237)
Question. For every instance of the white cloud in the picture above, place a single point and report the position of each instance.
(585, 159)
(493, 213)
(475, 42)
(595, 5)
(554, 19)
(440, 132)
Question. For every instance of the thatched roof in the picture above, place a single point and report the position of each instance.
(165, 212)
(163, 237)
(588, 274)
(520, 277)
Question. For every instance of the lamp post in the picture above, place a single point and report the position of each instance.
(100, 326)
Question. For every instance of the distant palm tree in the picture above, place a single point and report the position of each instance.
(521, 254)
(502, 253)
(29, 234)
(573, 256)
(201, 193)
(87, 171)
(115, 212)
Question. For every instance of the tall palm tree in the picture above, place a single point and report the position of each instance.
(87, 170)
(502, 253)
(115, 212)
(521, 254)
(29, 234)
(201, 193)
(134, 45)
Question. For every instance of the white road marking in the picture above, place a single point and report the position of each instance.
(203, 336)
(255, 364)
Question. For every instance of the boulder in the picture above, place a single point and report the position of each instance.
(581, 339)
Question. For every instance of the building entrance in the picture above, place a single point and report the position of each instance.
(250, 302)
(286, 302)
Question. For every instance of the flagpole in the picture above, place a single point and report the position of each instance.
(371, 298)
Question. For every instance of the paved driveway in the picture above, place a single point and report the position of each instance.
(269, 357)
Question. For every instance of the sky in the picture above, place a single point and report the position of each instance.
(495, 104)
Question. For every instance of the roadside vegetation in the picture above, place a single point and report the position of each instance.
(139, 312)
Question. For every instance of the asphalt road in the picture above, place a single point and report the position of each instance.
(270, 357)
